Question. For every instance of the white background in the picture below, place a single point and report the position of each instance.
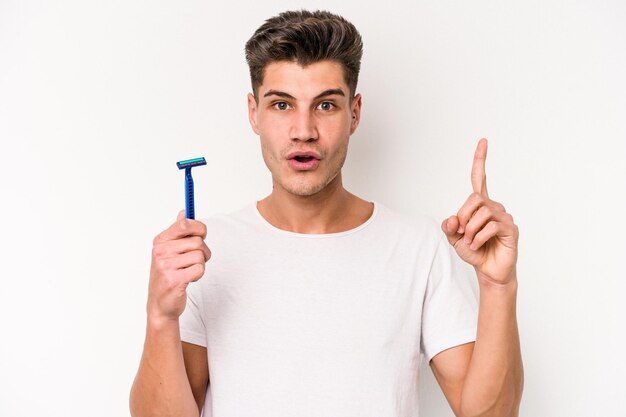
(98, 100)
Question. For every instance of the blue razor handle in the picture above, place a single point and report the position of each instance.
(187, 165)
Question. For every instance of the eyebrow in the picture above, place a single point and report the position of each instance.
(329, 92)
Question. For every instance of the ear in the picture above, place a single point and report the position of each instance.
(356, 113)
(252, 113)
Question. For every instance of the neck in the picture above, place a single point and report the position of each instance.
(331, 210)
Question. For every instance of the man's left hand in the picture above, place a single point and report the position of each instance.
(482, 232)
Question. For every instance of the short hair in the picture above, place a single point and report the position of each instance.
(305, 38)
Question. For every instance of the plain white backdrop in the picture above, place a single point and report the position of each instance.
(98, 100)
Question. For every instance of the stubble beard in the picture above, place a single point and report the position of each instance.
(305, 184)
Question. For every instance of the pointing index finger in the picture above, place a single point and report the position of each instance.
(479, 179)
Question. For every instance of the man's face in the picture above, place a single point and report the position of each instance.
(306, 110)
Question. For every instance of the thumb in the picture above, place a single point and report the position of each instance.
(450, 227)
(181, 215)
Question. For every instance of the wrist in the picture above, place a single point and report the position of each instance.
(160, 322)
(508, 286)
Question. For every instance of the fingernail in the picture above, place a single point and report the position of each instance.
(467, 240)
(460, 229)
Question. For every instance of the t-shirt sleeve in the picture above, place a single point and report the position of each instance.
(450, 310)
(192, 328)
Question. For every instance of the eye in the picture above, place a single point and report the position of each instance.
(281, 105)
(326, 105)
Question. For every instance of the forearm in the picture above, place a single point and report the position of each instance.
(161, 387)
(495, 377)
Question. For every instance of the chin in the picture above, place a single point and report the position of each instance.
(305, 186)
(305, 190)
(300, 187)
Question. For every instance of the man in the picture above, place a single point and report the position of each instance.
(315, 301)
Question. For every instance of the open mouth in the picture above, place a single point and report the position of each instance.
(303, 162)
(303, 158)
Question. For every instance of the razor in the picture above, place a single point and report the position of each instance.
(187, 165)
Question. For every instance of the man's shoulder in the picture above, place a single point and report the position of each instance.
(409, 222)
(230, 220)
(242, 212)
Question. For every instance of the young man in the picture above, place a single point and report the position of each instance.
(316, 302)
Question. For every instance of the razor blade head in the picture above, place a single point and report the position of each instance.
(190, 163)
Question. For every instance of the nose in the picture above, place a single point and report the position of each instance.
(304, 126)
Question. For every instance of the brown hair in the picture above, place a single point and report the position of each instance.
(305, 37)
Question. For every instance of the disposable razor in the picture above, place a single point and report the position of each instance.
(187, 165)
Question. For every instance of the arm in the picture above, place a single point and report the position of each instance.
(197, 366)
(171, 374)
(162, 387)
(485, 378)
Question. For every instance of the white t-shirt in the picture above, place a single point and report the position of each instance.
(325, 324)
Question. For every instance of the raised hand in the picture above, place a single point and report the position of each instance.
(482, 232)
(178, 257)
